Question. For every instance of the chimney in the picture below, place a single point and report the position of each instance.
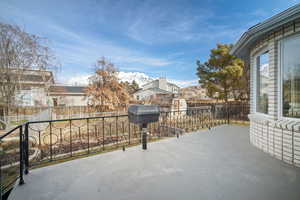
(162, 83)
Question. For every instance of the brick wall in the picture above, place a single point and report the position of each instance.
(277, 140)
(270, 133)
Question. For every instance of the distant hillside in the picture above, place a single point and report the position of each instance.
(193, 92)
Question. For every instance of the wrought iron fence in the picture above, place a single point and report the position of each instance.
(21, 114)
(37, 142)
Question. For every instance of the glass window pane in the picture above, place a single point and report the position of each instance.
(262, 83)
(291, 77)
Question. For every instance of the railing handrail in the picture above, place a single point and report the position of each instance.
(86, 118)
(188, 120)
(10, 131)
(109, 116)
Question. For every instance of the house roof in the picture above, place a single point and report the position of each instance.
(241, 48)
(67, 89)
(35, 78)
(29, 76)
(156, 80)
(158, 90)
(173, 84)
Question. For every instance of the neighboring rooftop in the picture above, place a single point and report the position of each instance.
(157, 80)
(193, 92)
(35, 78)
(157, 90)
(216, 164)
(30, 76)
(67, 89)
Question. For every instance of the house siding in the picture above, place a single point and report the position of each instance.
(274, 135)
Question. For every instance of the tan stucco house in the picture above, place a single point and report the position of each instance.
(156, 87)
(272, 50)
(64, 95)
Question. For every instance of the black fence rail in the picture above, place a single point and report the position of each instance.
(38, 142)
(11, 152)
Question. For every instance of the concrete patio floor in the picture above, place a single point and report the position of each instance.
(215, 164)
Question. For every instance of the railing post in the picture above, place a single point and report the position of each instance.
(70, 124)
(213, 109)
(144, 132)
(117, 132)
(129, 132)
(293, 146)
(88, 134)
(228, 115)
(103, 134)
(26, 148)
(51, 149)
(21, 146)
(1, 152)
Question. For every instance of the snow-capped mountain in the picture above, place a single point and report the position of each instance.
(139, 77)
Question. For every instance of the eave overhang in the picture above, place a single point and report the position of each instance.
(242, 47)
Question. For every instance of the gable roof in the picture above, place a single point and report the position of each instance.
(36, 78)
(67, 89)
(255, 32)
(30, 76)
(156, 80)
(173, 84)
(157, 90)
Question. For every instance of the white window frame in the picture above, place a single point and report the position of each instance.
(255, 67)
(280, 78)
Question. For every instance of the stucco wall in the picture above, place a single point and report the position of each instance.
(70, 100)
(153, 84)
(143, 94)
(32, 97)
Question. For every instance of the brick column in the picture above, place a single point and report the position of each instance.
(252, 101)
(273, 82)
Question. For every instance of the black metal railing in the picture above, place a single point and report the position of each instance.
(38, 142)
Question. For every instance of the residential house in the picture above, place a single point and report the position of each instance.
(39, 89)
(271, 50)
(169, 102)
(34, 87)
(196, 92)
(158, 86)
(63, 95)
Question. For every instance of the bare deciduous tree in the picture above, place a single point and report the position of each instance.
(19, 51)
(105, 92)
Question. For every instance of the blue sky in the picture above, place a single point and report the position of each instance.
(158, 37)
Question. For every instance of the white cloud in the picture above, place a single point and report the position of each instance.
(85, 50)
(77, 80)
(81, 49)
(163, 26)
(155, 25)
(259, 13)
